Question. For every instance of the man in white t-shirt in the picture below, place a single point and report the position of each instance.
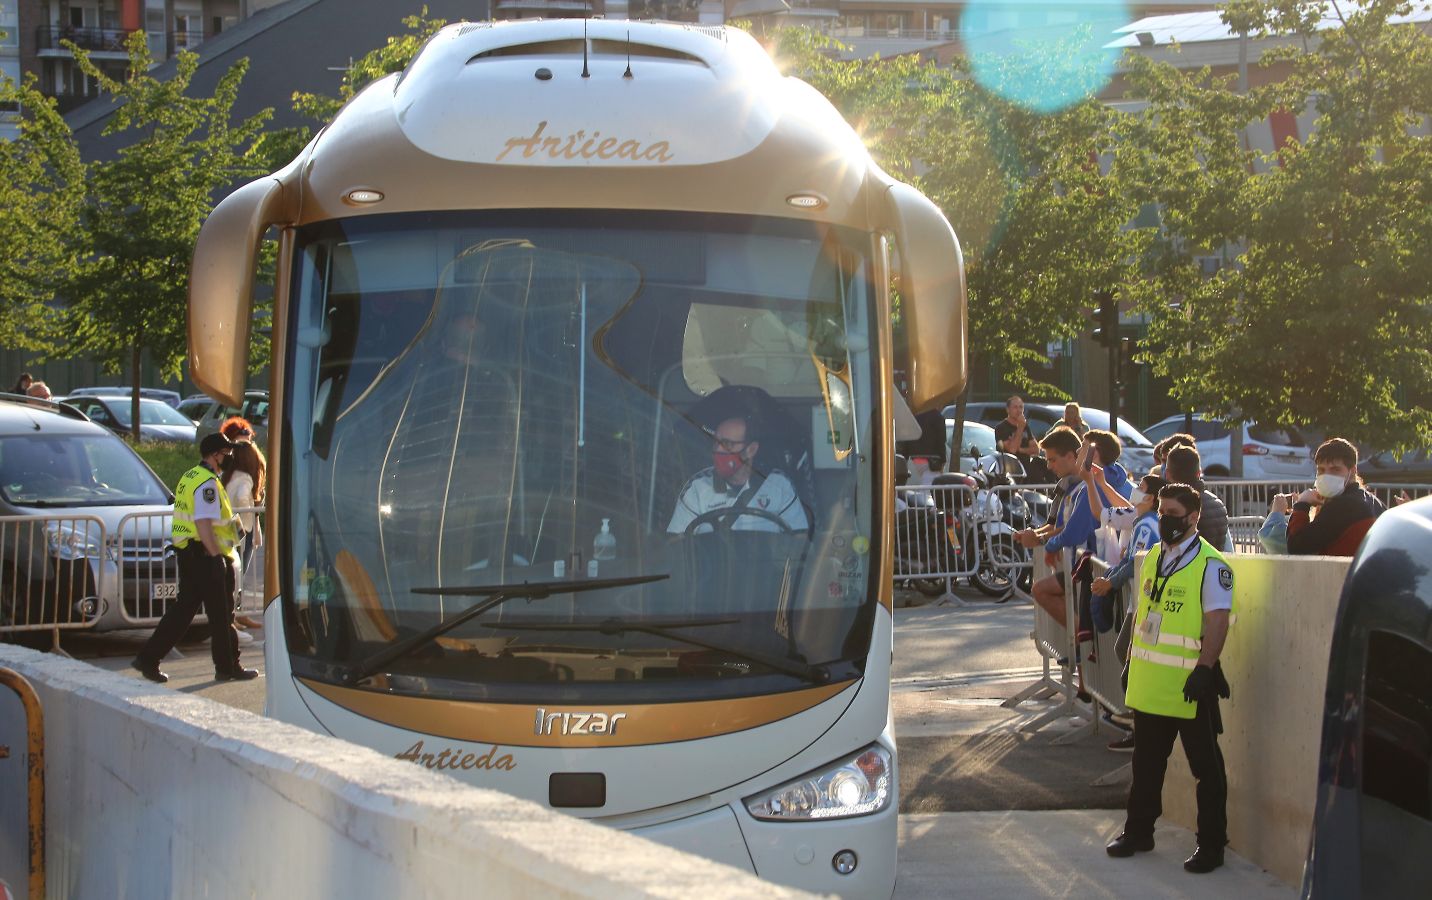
(770, 496)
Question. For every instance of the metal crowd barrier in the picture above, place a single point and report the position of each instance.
(1243, 532)
(61, 572)
(929, 535)
(51, 573)
(1057, 646)
(1255, 498)
(150, 574)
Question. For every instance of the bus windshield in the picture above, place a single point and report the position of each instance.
(676, 404)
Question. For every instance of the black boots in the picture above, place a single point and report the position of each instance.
(1127, 845)
(238, 674)
(149, 670)
(1205, 859)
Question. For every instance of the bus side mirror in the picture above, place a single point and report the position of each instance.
(931, 276)
(221, 286)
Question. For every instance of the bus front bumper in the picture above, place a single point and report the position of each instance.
(798, 854)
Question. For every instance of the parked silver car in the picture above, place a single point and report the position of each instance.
(254, 408)
(67, 486)
(1269, 451)
(158, 421)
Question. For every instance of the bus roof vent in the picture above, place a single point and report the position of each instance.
(599, 47)
(716, 31)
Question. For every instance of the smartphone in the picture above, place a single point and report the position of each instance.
(1088, 454)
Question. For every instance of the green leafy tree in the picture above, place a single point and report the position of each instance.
(42, 189)
(1321, 316)
(145, 207)
(1042, 224)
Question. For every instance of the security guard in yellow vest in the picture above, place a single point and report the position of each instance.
(205, 537)
(1181, 622)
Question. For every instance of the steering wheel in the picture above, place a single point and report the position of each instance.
(724, 519)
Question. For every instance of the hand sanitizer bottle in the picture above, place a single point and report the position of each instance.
(604, 546)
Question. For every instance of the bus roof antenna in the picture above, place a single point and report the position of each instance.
(585, 72)
(627, 73)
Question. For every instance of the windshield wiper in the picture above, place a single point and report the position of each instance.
(797, 667)
(496, 594)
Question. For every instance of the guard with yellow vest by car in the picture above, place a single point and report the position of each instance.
(205, 537)
(1181, 622)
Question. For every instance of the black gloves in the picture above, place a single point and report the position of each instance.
(1200, 685)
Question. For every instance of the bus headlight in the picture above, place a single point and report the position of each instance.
(69, 542)
(855, 786)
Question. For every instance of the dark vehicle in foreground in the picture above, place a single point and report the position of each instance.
(66, 487)
(1372, 823)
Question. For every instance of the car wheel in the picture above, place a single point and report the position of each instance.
(1216, 472)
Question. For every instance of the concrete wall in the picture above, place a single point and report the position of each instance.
(153, 793)
(1276, 660)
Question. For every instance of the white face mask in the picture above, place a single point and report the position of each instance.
(1329, 486)
(1137, 496)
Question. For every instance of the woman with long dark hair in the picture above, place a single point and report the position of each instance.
(244, 477)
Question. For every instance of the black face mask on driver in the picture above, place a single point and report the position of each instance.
(1172, 529)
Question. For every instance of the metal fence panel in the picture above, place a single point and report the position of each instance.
(1243, 532)
(149, 575)
(51, 572)
(929, 532)
(1255, 498)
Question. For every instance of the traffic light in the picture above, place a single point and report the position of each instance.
(1106, 318)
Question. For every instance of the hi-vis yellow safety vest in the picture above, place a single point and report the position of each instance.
(1168, 632)
(184, 529)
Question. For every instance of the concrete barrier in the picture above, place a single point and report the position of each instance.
(1276, 660)
(154, 793)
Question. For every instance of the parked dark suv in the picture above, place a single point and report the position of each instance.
(66, 486)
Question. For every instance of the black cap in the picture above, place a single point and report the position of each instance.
(213, 443)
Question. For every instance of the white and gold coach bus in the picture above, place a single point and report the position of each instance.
(521, 287)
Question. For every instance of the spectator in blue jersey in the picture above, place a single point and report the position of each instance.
(1074, 523)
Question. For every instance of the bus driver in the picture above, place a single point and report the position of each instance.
(732, 480)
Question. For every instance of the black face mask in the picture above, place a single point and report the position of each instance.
(1172, 529)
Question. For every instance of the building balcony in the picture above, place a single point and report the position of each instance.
(96, 40)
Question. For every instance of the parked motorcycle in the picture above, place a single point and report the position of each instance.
(1004, 562)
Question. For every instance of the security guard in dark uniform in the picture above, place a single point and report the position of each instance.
(205, 539)
(1181, 622)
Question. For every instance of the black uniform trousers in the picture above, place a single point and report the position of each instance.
(203, 580)
(1153, 742)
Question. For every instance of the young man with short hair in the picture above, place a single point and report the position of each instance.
(1184, 466)
(1175, 679)
(1061, 453)
(1345, 510)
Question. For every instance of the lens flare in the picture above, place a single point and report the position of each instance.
(1040, 55)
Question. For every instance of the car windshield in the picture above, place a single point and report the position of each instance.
(151, 412)
(75, 470)
(976, 435)
(500, 398)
